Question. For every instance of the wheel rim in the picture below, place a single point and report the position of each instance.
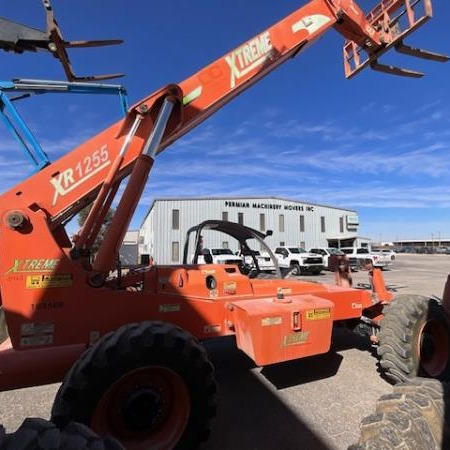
(145, 408)
(433, 348)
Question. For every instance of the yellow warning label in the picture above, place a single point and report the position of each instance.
(318, 314)
(49, 281)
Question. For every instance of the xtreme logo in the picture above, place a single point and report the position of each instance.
(249, 56)
(34, 265)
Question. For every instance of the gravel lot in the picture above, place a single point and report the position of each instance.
(313, 403)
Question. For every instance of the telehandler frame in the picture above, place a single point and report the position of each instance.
(128, 347)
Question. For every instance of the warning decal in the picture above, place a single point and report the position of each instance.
(49, 281)
(318, 314)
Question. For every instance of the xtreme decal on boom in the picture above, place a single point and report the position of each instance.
(249, 56)
(258, 50)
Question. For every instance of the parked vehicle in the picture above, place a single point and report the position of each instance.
(298, 260)
(361, 258)
(218, 256)
(327, 253)
(264, 260)
(249, 261)
(385, 255)
(443, 250)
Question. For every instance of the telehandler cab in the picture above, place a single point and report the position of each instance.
(127, 349)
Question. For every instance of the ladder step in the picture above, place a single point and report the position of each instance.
(419, 53)
(396, 70)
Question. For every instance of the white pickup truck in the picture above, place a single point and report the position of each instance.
(298, 260)
(226, 256)
(361, 257)
(326, 253)
(218, 256)
(386, 255)
(264, 260)
(250, 261)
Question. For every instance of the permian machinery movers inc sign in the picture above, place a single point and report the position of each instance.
(263, 205)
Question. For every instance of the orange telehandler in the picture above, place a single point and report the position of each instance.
(127, 348)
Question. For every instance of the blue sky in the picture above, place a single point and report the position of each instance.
(378, 144)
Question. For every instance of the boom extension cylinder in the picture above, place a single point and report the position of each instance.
(109, 248)
(103, 201)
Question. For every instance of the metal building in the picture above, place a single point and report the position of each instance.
(163, 230)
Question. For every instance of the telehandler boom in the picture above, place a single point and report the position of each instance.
(127, 346)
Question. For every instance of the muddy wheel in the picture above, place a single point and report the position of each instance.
(411, 418)
(40, 434)
(414, 339)
(150, 385)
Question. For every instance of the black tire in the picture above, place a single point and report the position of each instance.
(411, 418)
(151, 382)
(3, 328)
(40, 434)
(296, 269)
(414, 339)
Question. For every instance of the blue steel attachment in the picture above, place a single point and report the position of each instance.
(17, 126)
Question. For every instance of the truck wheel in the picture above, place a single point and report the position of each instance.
(39, 434)
(412, 417)
(414, 339)
(150, 385)
(295, 269)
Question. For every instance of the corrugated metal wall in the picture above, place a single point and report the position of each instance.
(158, 238)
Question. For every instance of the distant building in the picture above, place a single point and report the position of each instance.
(432, 244)
(163, 230)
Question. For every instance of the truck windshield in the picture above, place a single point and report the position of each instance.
(221, 251)
(297, 250)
